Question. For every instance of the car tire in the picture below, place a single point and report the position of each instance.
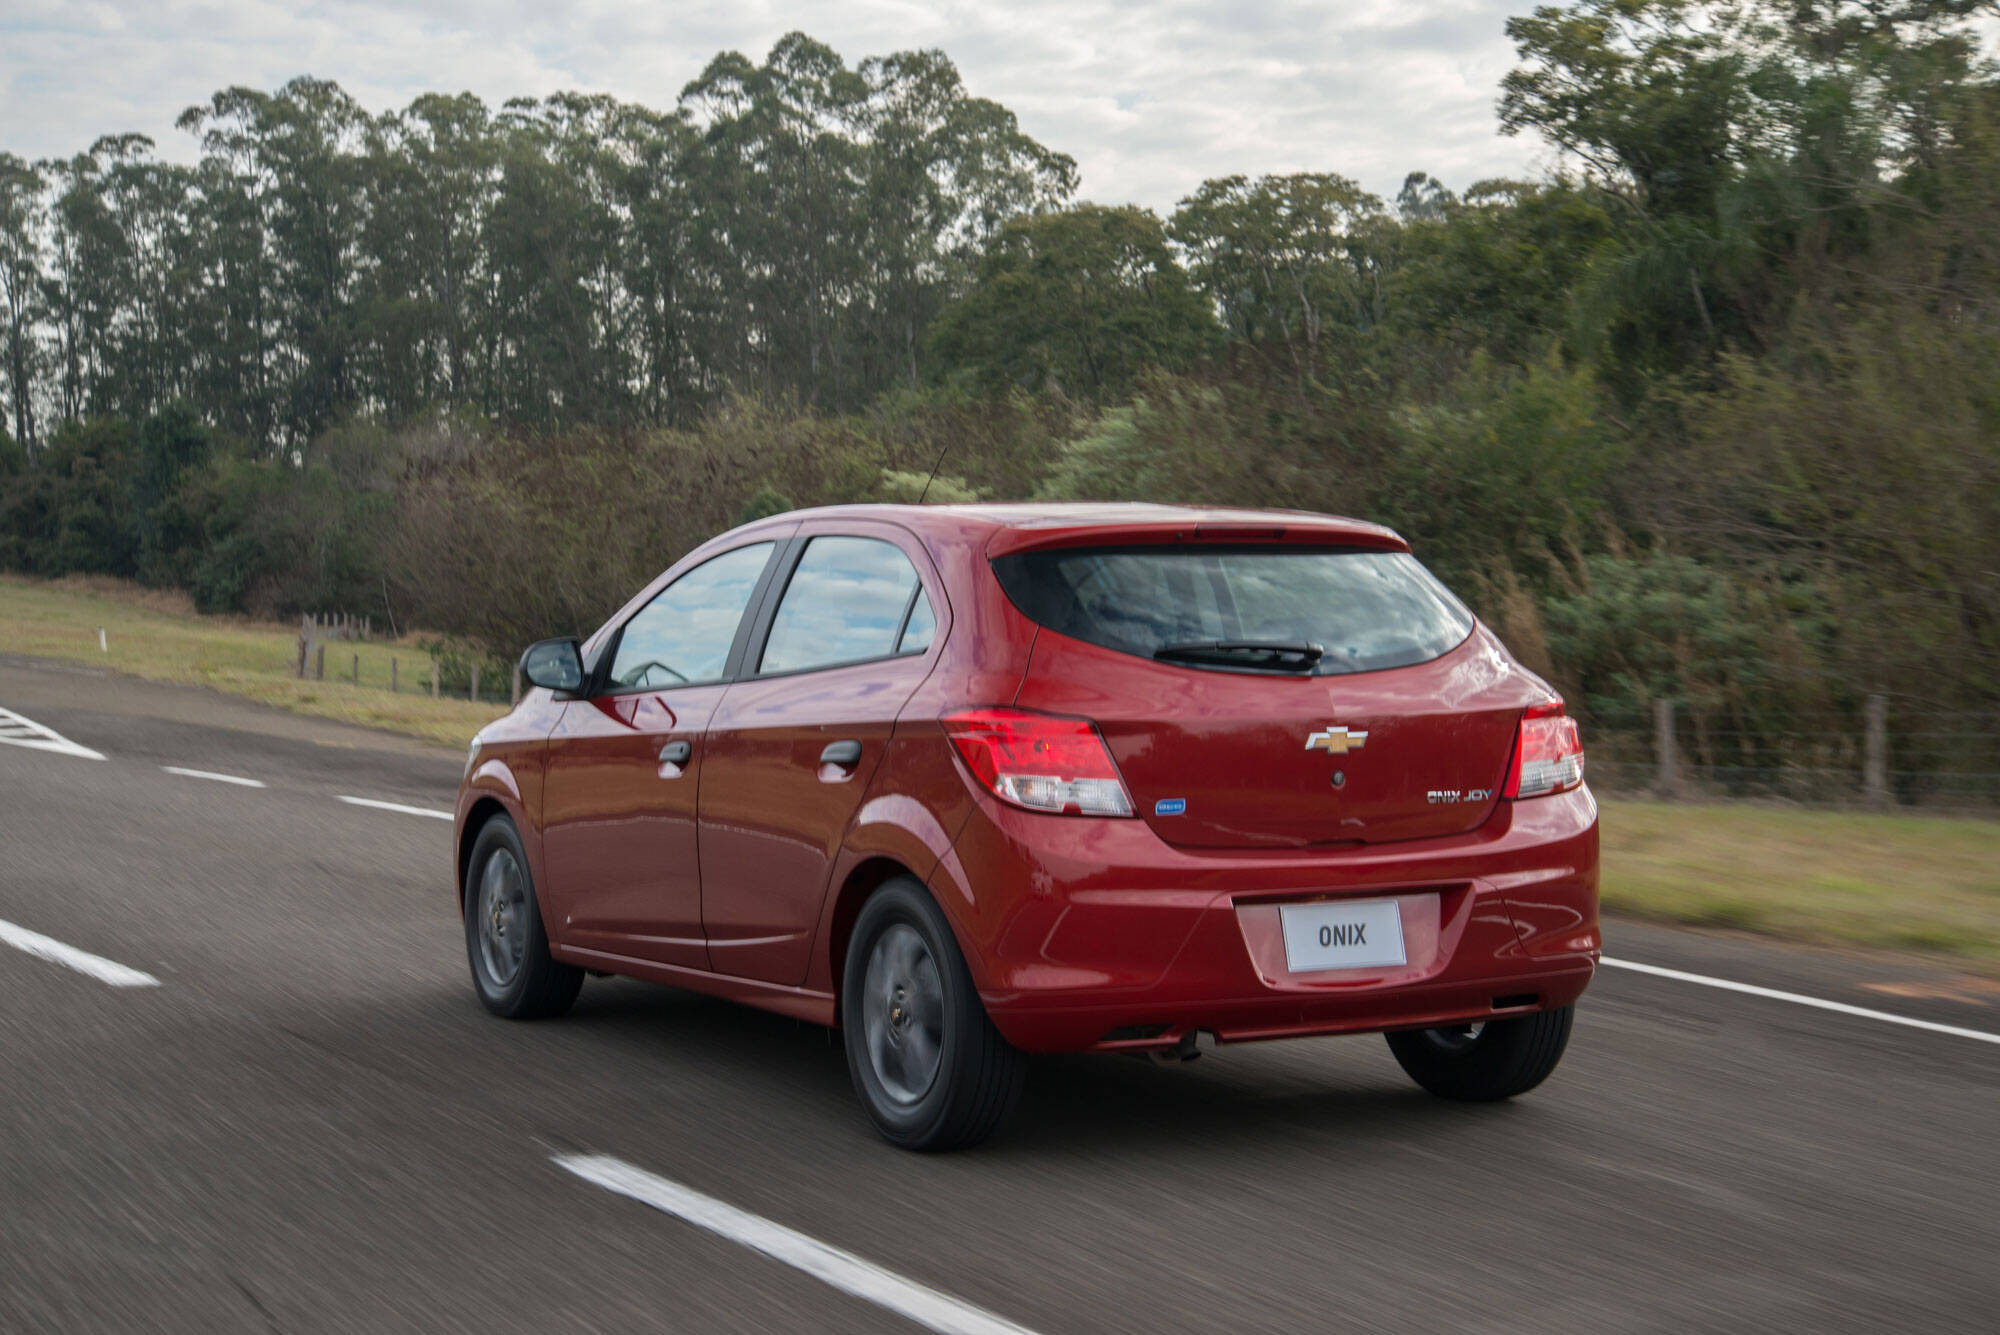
(505, 942)
(929, 1067)
(1480, 1064)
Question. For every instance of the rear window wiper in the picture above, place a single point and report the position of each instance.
(1283, 655)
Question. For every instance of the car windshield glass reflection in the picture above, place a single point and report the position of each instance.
(683, 636)
(921, 629)
(1363, 610)
(844, 604)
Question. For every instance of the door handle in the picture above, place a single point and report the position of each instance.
(676, 753)
(845, 754)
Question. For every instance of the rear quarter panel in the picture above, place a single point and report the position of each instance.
(918, 799)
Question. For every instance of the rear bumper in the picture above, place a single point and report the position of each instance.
(1095, 934)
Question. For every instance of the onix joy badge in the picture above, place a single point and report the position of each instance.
(1336, 740)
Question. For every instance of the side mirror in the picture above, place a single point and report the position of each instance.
(556, 665)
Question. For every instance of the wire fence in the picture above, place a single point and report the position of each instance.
(1894, 758)
(341, 648)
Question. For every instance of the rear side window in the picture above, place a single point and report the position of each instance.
(682, 637)
(921, 628)
(847, 602)
(1365, 609)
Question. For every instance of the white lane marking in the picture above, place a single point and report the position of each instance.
(830, 1265)
(1798, 999)
(18, 731)
(380, 805)
(211, 774)
(48, 948)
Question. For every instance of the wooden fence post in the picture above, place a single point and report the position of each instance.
(517, 685)
(392, 676)
(319, 663)
(305, 647)
(1665, 753)
(357, 669)
(1875, 759)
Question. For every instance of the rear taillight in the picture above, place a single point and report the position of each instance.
(1548, 757)
(1040, 761)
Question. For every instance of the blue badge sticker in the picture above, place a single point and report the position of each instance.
(1170, 806)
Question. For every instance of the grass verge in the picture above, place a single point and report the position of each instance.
(157, 635)
(1906, 882)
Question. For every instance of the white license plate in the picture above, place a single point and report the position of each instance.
(1342, 934)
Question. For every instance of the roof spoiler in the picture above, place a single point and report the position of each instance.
(1300, 531)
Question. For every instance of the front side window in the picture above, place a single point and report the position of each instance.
(682, 637)
(846, 603)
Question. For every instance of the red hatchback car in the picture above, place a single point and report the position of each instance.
(974, 781)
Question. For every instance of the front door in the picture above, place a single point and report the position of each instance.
(792, 746)
(619, 806)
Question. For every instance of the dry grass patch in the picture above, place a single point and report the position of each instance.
(1928, 883)
(156, 634)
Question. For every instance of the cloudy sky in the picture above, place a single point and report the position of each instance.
(1149, 96)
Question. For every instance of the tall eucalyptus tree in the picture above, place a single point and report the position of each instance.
(21, 223)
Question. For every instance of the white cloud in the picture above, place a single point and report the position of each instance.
(1150, 96)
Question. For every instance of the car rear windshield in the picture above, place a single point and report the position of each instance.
(1215, 607)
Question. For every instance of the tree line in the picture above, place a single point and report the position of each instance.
(788, 229)
(1710, 413)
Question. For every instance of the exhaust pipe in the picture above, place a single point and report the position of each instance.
(1186, 1050)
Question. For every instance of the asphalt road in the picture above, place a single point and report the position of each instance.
(310, 1124)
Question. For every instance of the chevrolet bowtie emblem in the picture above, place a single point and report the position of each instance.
(1336, 741)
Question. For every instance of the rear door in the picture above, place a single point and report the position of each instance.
(850, 633)
(624, 770)
(1278, 697)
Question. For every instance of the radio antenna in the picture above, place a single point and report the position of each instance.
(934, 472)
